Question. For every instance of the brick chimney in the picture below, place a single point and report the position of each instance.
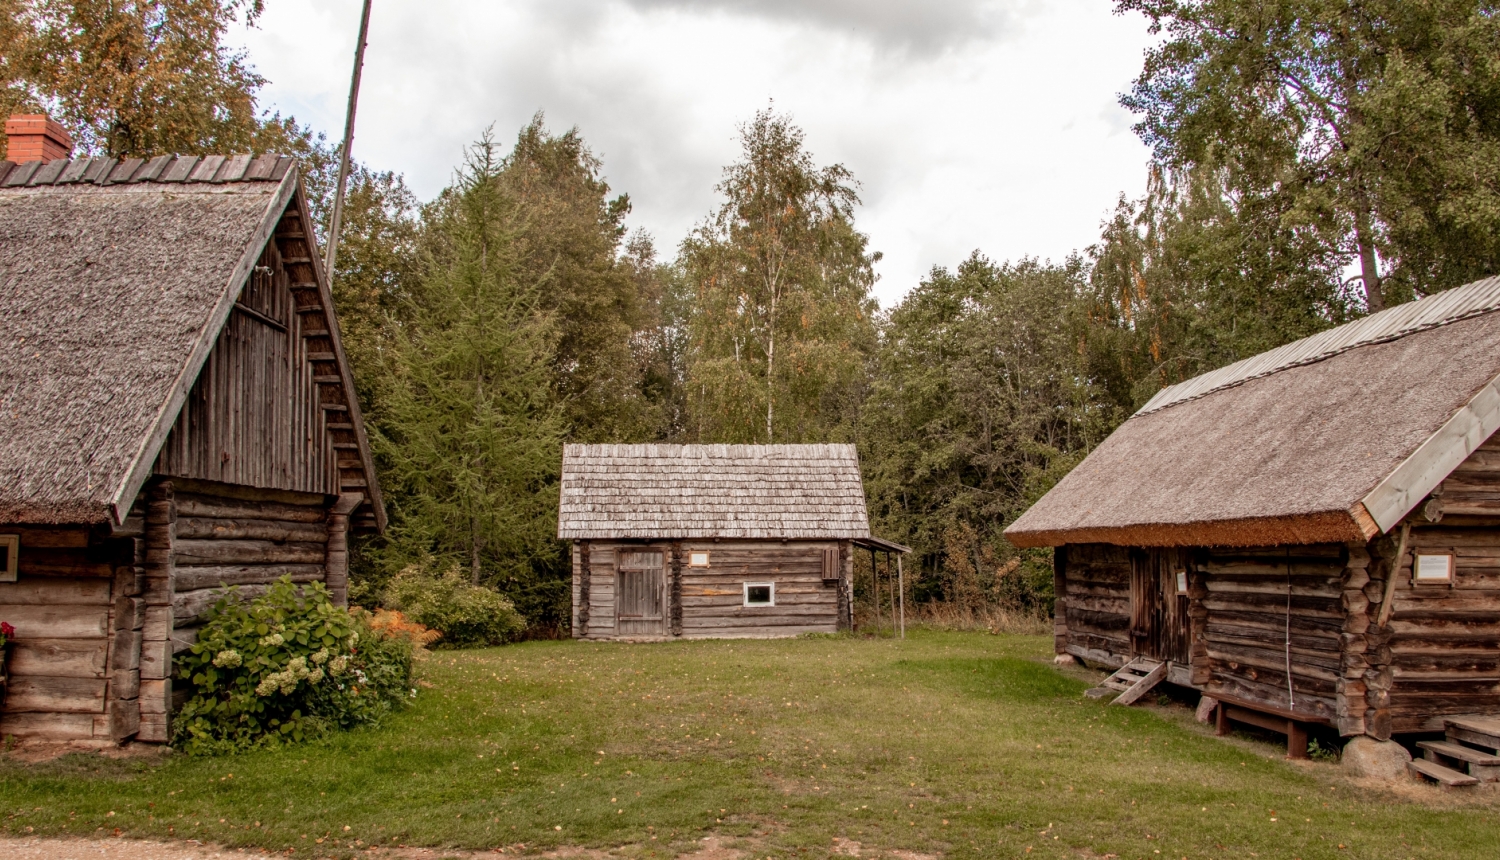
(35, 137)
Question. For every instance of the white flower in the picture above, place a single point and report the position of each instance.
(228, 659)
(275, 639)
(315, 676)
(338, 664)
(320, 656)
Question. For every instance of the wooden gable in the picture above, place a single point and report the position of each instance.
(274, 406)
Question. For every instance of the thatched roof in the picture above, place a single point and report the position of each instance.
(704, 491)
(115, 278)
(1333, 438)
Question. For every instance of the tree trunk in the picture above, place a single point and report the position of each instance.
(1369, 269)
(474, 550)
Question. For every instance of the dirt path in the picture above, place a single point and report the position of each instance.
(13, 848)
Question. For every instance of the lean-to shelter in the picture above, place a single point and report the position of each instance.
(176, 416)
(1312, 533)
(700, 541)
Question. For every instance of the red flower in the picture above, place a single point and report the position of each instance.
(6, 630)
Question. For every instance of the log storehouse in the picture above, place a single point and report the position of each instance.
(712, 541)
(176, 416)
(1309, 536)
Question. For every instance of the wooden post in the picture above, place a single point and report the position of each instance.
(338, 196)
(1296, 740)
(676, 592)
(585, 582)
(1221, 722)
(901, 584)
(155, 660)
(875, 588)
(336, 560)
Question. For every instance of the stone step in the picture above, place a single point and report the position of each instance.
(1446, 776)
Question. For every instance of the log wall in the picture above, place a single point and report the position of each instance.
(1252, 602)
(64, 684)
(1094, 603)
(708, 602)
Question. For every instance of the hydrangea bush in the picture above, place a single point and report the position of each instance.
(286, 666)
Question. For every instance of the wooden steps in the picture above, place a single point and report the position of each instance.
(1469, 756)
(1133, 680)
(1439, 774)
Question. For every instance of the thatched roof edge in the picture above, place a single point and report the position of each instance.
(151, 444)
(1327, 527)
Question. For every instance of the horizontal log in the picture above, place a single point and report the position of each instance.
(57, 622)
(1301, 551)
(759, 632)
(55, 727)
(46, 591)
(55, 695)
(1328, 588)
(1307, 607)
(191, 607)
(60, 658)
(693, 623)
(51, 537)
(1318, 655)
(210, 576)
(1275, 661)
(232, 552)
(1320, 707)
(189, 505)
(1239, 570)
(190, 528)
(1273, 629)
(62, 562)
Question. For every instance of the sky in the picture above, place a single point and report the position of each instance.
(970, 124)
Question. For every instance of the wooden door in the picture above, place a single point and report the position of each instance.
(1159, 626)
(641, 598)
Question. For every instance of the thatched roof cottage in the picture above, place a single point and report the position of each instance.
(176, 415)
(1310, 533)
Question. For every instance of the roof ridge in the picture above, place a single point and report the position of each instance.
(176, 169)
(1449, 306)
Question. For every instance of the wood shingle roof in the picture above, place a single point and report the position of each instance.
(702, 491)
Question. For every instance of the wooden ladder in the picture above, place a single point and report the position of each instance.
(1133, 680)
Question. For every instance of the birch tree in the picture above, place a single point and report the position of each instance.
(782, 315)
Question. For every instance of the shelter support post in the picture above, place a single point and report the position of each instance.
(901, 585)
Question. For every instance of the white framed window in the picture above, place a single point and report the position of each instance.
(760, 594)
(1182, 582)
(10, 552)
(698, 558)
(1432, 569)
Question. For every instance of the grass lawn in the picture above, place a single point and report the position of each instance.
(953, 744)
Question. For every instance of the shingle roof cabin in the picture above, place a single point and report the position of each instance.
(707, 491)
(711, 540)
(176, 416)
(1326, 472)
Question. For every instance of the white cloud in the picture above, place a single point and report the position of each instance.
(970, 124)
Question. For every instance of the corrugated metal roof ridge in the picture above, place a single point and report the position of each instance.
(1446, 307)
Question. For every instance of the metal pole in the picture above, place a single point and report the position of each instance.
(901, 584)
(338, 194)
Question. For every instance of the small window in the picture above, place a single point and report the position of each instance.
(1182, 582)
(10, 551)
(760, 594)
(1433, 569)
(698, 558)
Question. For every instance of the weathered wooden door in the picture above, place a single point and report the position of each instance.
(1159, 605)
(642, 597)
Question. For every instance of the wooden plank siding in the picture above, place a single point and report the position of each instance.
(711, 599)
(254, 416)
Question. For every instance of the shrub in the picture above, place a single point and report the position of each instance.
(286, 666)
(465, 614)
(393, 623)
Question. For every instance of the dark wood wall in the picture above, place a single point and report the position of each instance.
(254, 416)
(708, 602)
(1094, 603)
